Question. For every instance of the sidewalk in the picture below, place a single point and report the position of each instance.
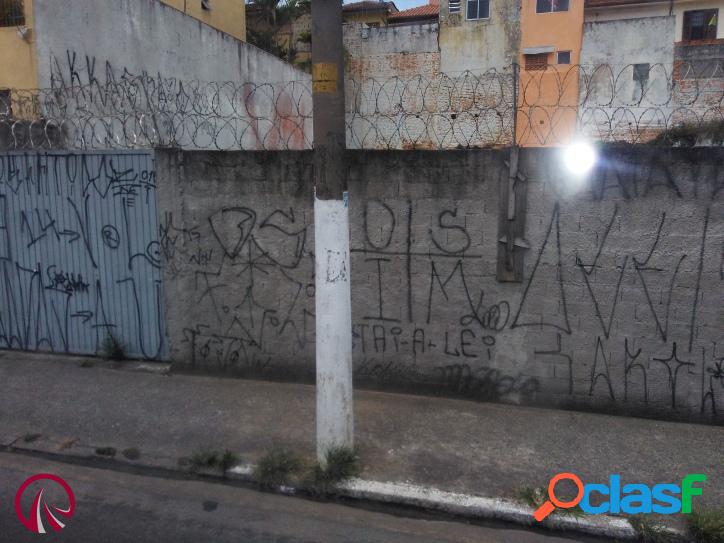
(454, 445)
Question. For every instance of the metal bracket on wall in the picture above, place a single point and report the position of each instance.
(511, 222)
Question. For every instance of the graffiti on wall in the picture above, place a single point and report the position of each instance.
(79, 253)
(100, 105)
(248, 276)
(620, 305)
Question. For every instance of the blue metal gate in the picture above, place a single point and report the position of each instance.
(79, 253)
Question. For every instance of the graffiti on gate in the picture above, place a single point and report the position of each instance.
(79, 253)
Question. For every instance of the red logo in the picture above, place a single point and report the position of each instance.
(53, 514)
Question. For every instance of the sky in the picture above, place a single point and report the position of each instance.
(401, 4)
(406, 4)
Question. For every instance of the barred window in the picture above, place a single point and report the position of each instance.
(700, 24)
(12, 13)
(454, 6)
(536, 62)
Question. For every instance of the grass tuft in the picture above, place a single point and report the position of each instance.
(277, 468)
(131, 453)
(113, 348)
(649, 531)
(707, 525)
(341, 463)
(204, 459)
(211, 459)
(227, 460)
(535, 497)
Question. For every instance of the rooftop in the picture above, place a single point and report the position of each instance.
(428, 11)
(370, 5)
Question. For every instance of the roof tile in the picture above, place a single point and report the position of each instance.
(428, 10)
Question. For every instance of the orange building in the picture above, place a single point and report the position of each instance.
(550, 48)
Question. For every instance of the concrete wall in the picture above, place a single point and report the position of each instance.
(636, 11)
(608, 55)
(620, 309)
(104, 45)
(144, 36)
(628, 41)
(479, 45)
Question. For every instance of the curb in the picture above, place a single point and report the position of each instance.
(458, 505)
(477, 507)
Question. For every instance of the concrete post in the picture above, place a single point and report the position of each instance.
(331, 233)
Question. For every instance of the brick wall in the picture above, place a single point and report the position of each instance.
(698, 78)
(390, 51)
(379, 64)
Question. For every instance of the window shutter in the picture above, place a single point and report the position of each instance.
(536, 62)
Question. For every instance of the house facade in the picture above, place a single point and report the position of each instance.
(479, 35)
(598, 68)
(372, 13)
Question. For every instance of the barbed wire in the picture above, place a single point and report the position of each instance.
(631, 103)
(634, 103)
(143, 111)
(445, 111)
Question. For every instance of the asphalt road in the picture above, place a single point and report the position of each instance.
(113, 506)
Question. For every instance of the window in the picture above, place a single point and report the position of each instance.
(536, 62)
(641, 72)
(563, 57)
(700, 24)
(548, 6)
(454, 6)
(206, 4)
(12, 13)
(478, 9)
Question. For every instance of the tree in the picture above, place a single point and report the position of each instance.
(273, 15)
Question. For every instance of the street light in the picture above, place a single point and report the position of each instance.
(579, 157)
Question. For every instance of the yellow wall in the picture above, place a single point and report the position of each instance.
(226, 15)
(549, 98)
(18, 63)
